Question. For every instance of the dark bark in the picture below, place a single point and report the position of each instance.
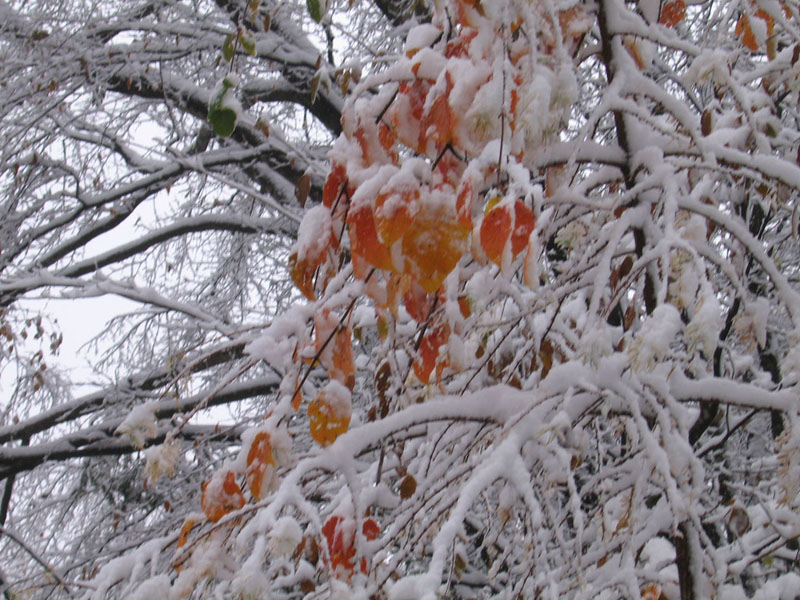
(683, 559)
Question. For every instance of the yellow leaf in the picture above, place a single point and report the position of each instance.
(329, 414)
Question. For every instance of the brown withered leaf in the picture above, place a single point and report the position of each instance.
(407, 487)
(302, 189)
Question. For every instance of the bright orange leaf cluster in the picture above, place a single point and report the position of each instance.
(339, 535)
(746, 28)
(411, 192)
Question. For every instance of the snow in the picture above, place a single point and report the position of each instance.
(652, 342)
(250, 584)
(274, 345)
(784, 587)
(338, 398)
(414, 587)
(421, 36)
(155, 587)
(706, 322)
(284, 536)
(160, 460)
(140, 424)
(428, 64)
(314, 234)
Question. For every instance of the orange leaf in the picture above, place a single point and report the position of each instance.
(428, 352)
(297, 399)
(450, 168)
(469, 12)
(433, 245)
(464, 306)
(437, 126)
(396, 287)
(524, 222)
(329, 413)
(364, 242)
(406, 112)
(631, 44)
(340, 545)
(386, 137)
(372, 146)
(417, 301)
(651, 592)
(220, 496)
(302, 273)
(370, 529)
(744, 31)
(764, 16)
(314, 239)
(458, 47)
(672, 13)
(496, 230)
(183, 536)
(260, 464)
(574, 23)
(394, 212)
(336, 180)
(333, 343)
(465, 196)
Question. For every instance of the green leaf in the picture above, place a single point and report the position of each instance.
(221, 115)
(229, 46)
(223, 121)
(315, 9)
(248, 41)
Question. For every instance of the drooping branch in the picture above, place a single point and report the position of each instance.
(101, 440)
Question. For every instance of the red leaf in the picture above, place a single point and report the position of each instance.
(672, 13)
(524, 222)
(339, 535)
(428, 352)
(336, 180)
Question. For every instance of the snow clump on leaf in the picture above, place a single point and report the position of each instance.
(140, 425)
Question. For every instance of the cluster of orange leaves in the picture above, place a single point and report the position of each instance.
(217, 501)
(744, 29)
(413, 232)
(340, 541)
